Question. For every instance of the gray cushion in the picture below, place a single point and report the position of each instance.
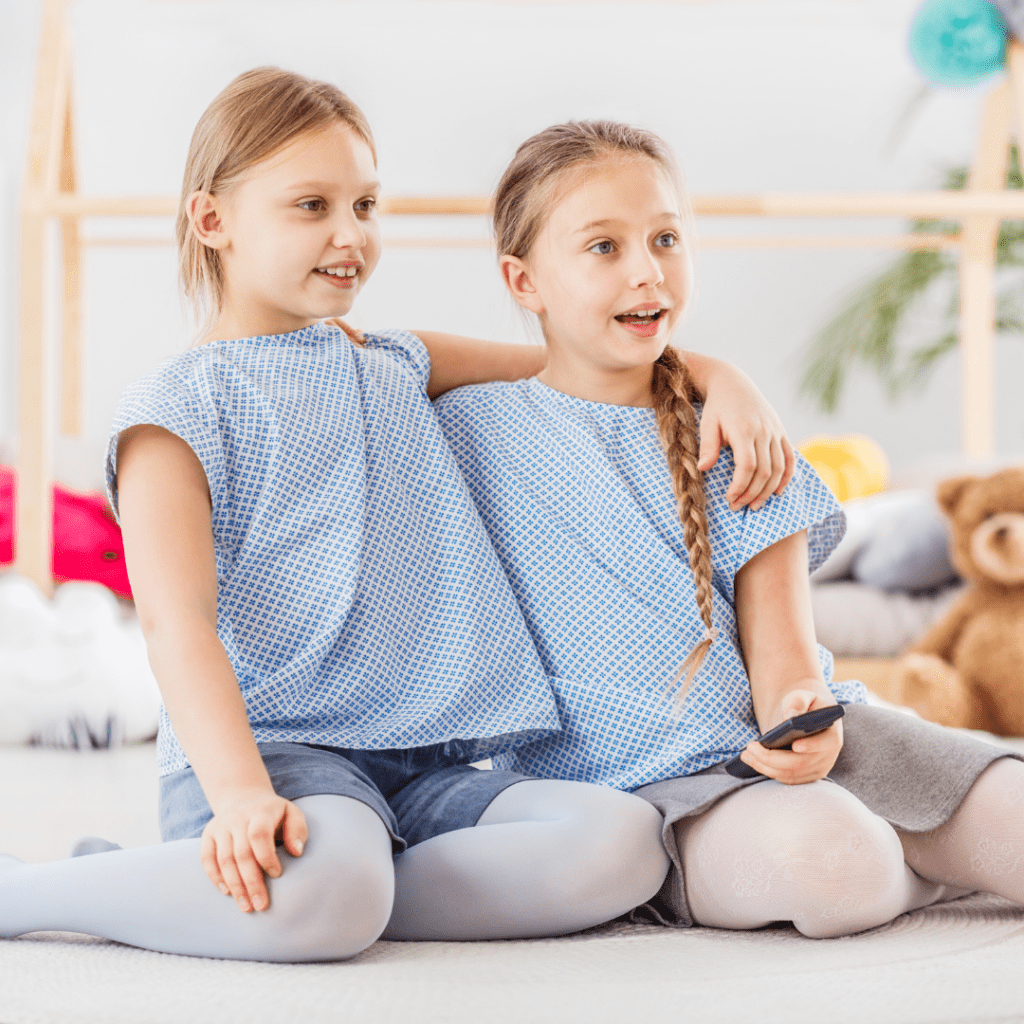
(865, 517)
(908, 550)
(856, 621)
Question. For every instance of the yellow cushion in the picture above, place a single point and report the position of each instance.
(852, 465)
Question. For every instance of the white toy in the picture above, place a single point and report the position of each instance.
(74, 670)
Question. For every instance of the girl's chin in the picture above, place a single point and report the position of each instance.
(642, 352)
(336, 301)
(334, 309)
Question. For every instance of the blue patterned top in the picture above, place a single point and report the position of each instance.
(577, 498)
(358, 598)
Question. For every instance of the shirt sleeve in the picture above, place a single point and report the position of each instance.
(407, 348)
(180, 404)
(805, 504)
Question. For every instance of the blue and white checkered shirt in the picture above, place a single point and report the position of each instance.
(577, 498)
(358, 598)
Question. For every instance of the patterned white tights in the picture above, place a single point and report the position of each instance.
(981, 847)
(816, 856)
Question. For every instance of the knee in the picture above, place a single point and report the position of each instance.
(332, 902)
(340, 901)
(620, 845)
(847, 861)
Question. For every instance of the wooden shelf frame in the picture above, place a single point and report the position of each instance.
(50, 195)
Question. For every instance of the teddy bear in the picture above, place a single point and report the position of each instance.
(968, 669)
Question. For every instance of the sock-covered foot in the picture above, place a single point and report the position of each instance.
(86, 845)
(7, 863)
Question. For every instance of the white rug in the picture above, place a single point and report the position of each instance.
(960, 963)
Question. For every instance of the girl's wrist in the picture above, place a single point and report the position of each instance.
(779, 707)
(236, 775)
(223, 797)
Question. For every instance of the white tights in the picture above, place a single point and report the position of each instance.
(816, 856)
(545, 858)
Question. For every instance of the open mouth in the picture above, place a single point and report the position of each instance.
(338, 271)
(640, 316)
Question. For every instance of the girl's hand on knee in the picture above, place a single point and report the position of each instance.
(736, 414)
(239, 845)
(811, 757)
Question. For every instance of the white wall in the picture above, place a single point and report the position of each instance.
(754, 95)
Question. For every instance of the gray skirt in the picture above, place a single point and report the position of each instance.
(912, 773)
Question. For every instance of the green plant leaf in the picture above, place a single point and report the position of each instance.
(866, 329)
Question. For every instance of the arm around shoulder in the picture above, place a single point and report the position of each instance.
(456, 361)
(737, 414)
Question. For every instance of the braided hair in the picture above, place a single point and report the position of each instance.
(674, 393)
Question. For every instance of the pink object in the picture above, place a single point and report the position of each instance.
(86, 539)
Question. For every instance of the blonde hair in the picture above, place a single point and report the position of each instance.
(259, 112)
(545, 168)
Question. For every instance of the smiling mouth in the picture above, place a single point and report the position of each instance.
(641, 316)
(337, 271)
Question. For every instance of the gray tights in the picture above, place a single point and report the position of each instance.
(546, 858)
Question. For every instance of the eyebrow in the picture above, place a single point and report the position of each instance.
(668, 214)
(326, 186)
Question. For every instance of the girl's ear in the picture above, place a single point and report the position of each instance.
(516, 276)
(204, 215)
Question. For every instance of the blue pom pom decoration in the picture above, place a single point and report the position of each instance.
(958, 42)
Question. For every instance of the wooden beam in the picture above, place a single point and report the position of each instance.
(977, 280)
(906, 242)
(947, 205)
(436, 205)
(33, 520)
(1015, 77)
(71, 363)
(108, 206)
(33, 530)
(57, 62)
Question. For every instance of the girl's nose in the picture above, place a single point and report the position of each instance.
(348, 233)
(644, 269)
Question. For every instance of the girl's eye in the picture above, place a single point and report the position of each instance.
(313, 205)
(601, 248)
(366, 205)
(667, 240)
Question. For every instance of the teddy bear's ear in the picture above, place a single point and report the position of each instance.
(950, 492)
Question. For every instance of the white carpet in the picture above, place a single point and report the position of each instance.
(962, 962)
(958, 963)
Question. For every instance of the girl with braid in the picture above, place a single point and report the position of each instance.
(674, 626)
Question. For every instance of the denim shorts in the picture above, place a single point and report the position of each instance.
(418, 793)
